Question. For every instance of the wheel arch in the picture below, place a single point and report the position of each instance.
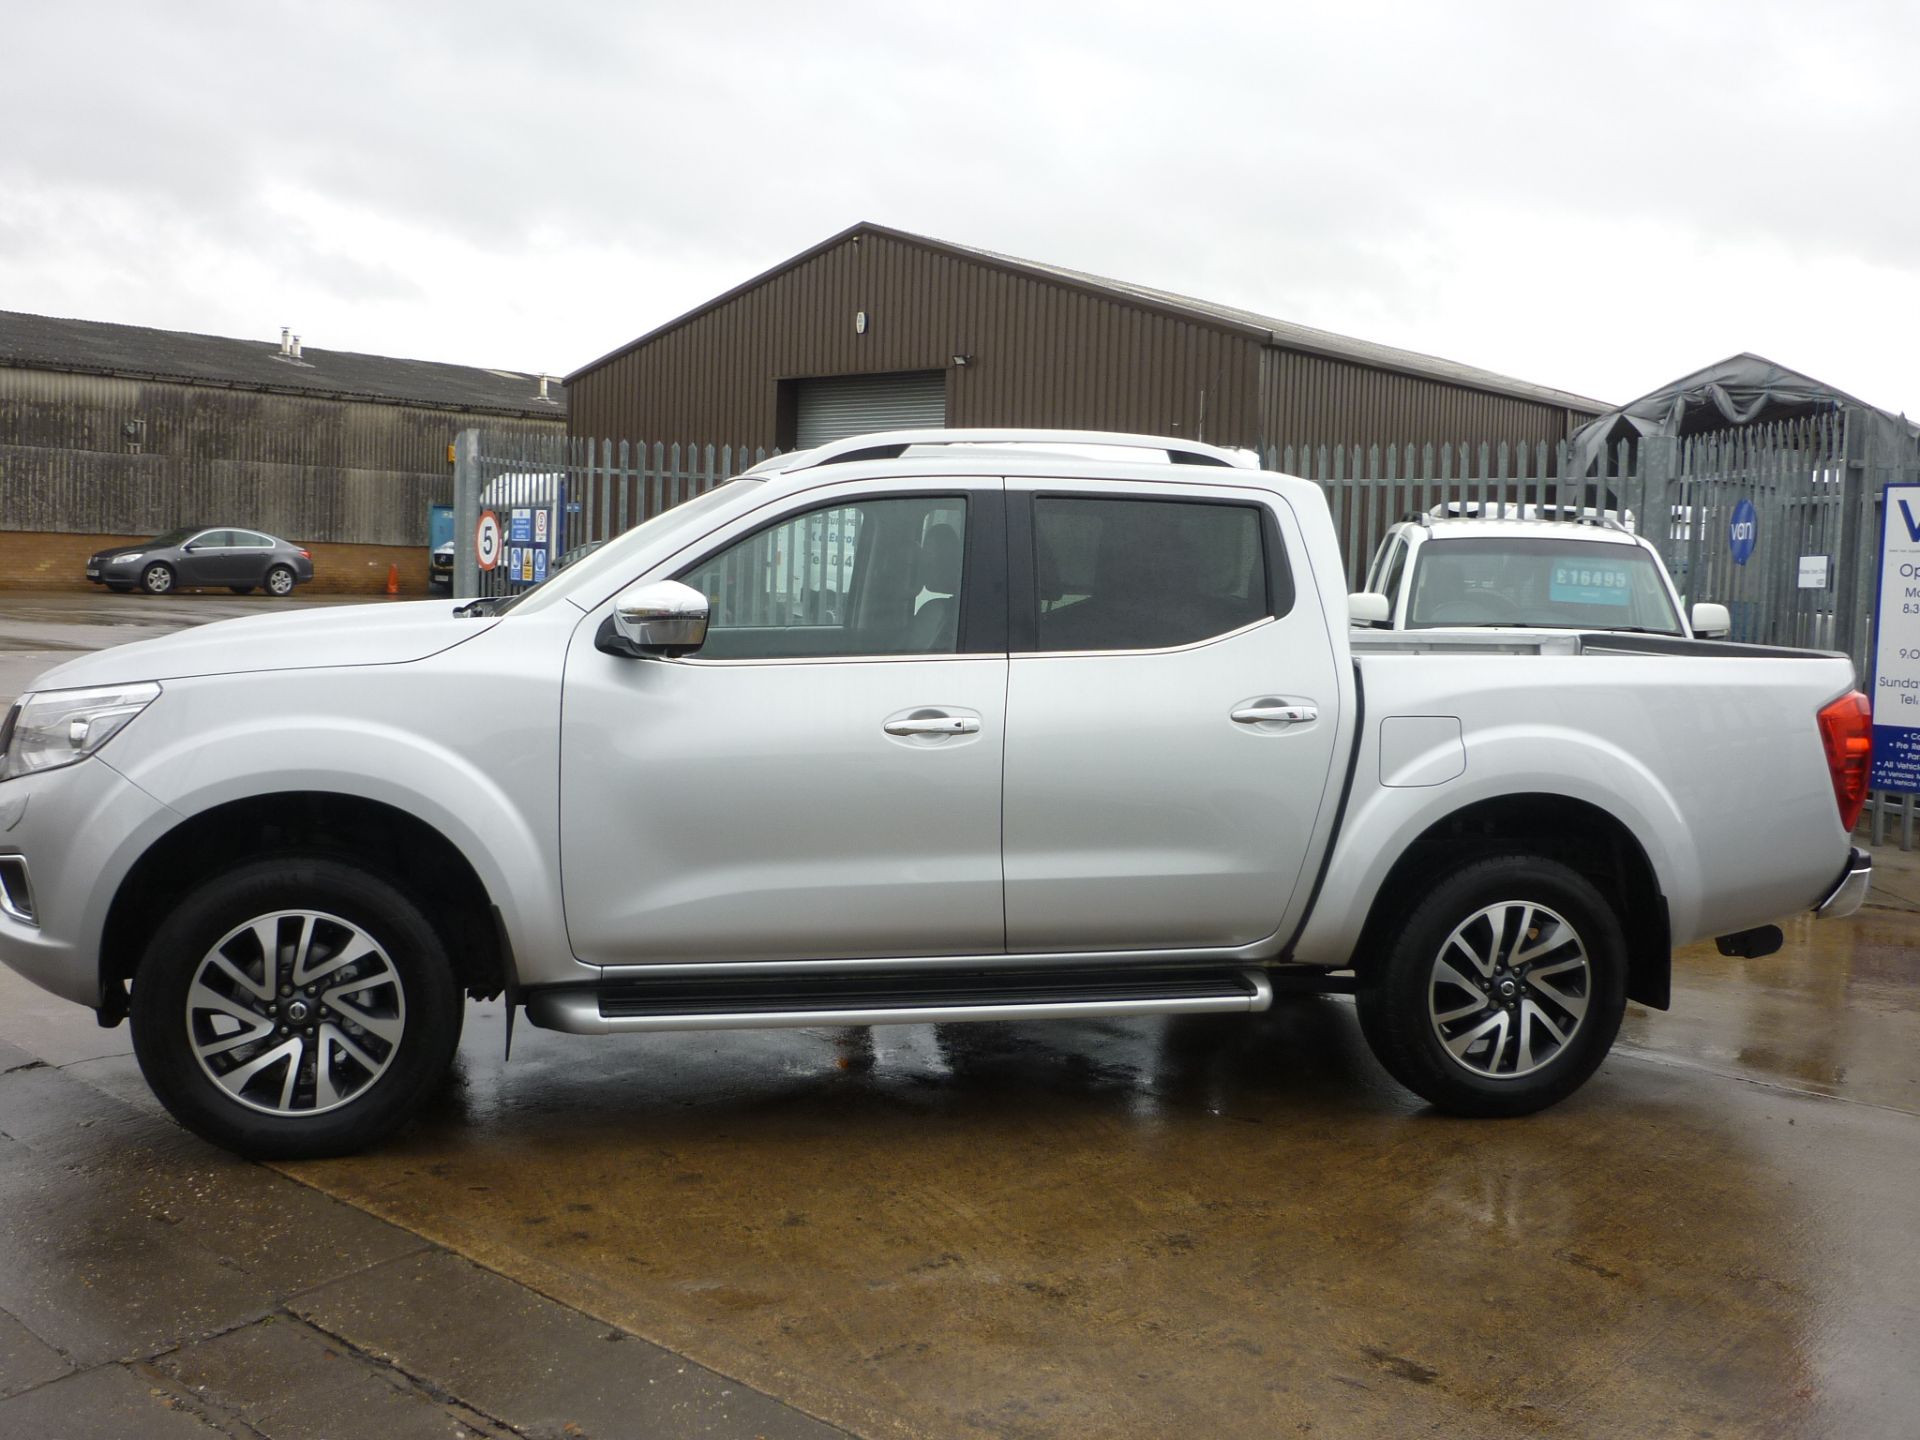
(1574, 832)
(364, 832)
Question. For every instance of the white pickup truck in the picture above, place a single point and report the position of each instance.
(1510, 567)
(921, 727)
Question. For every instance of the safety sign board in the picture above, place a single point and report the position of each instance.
(486, 540)
(1896, 645)
(520, 526)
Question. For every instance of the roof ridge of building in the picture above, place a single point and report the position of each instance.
(1286, 334)
(29, 339)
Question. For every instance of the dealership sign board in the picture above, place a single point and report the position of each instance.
(1896, 645)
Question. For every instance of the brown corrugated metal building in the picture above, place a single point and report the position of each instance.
(875, 328)
(116, 432)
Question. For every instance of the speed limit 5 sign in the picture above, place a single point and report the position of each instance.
(486, 540)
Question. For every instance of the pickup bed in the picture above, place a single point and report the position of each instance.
(920, 727)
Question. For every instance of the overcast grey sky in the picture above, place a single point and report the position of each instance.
(1598, 196)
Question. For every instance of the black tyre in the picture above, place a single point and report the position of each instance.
(241, 589)
(1504, 990)
(157, 578)
(295, 1007)
(280, 581)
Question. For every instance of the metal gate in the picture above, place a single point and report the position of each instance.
(1761, 523)
(511, 501)
(525, 506)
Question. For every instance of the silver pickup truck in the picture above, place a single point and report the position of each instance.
(920, 727)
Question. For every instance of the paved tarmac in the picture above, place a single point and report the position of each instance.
(1203, 1226)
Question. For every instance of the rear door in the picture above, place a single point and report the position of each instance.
(1172, 715)
(249, 556)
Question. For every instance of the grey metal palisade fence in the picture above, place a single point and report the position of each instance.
(1813, 486)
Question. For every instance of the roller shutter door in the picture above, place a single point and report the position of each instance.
(842, 405)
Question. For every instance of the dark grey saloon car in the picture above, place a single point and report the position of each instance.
(241, 560)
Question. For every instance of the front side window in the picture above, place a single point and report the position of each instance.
(1539, 583)
(868, 577)
(1145, 574)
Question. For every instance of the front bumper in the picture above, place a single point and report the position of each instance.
(78, 830)
(1849, 892)
(115, 571)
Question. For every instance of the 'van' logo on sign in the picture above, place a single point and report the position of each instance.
(1743, 531)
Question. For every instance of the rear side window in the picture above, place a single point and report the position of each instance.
(1145, 574)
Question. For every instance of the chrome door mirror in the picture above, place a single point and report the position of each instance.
(1710, 619)
(1369, 607)
(663, 618)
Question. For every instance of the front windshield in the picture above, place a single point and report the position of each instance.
(172, 537)
(1538, 582)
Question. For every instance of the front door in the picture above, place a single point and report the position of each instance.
(822, 779)
(210, 559)
(1171, 719)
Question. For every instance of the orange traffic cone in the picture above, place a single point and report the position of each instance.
(393, 579)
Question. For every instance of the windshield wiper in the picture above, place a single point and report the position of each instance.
(483, 606)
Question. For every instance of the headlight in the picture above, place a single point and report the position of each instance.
(125, 559)
(58, 727)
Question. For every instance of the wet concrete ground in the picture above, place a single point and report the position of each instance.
(1205, 1226)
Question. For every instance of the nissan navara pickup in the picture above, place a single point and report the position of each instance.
(921, 727)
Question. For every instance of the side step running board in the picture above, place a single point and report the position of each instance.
(901, 998)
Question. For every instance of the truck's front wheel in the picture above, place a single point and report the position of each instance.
(294, 1007)
(1503, 991)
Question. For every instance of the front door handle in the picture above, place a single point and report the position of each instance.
(934, 725)
(1276, 714)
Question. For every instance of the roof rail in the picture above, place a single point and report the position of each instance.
(1547, 512)
(891, 444)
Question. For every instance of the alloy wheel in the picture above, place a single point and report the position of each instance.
(1508, 991)
(296, 1012)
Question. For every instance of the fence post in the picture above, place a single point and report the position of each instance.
(466, 513)
(1659, 463)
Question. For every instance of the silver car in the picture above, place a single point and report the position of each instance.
(197, 557)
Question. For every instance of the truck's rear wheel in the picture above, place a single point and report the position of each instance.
(293, 1007)
(1504, 990)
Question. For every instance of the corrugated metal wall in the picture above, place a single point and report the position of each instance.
(1316, 400)
(310, 469)
(1038, 352)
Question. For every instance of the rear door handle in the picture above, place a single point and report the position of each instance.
(1276, 714)
(934, 725)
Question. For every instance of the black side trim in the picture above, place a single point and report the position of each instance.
(1023, 593)
(771, 994)
(1340, 810)
(983, 592)
(1616, 643)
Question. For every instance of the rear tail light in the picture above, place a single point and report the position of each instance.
(302, 553)
(1846, 729)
